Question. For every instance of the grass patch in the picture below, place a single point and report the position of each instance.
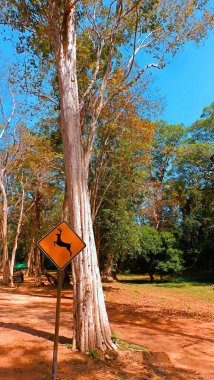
(198, 285)
(195, 278)
(126, 346)
(94, 354)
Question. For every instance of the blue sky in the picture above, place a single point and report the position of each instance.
(187, 83)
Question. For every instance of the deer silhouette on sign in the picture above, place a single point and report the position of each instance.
(61, 243)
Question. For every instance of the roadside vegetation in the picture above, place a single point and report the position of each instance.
(78, 142)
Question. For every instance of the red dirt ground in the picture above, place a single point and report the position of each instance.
(178, 334)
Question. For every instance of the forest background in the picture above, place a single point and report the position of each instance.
(151, 185)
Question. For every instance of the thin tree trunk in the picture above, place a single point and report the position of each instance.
(5, 261)
(109, 266)
(30, 257)
(18, 230)
(91, 326)
(37, 253)
(37, 279)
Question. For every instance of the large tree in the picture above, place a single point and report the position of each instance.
(193, 179)
(120, 156)
(114, 29)
(160, 205)
(12, 150)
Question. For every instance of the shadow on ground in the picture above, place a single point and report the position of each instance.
(34, 365)
(34, 332)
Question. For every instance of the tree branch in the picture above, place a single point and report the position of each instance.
(7, 119)
(94, 77)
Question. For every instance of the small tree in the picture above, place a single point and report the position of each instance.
(12, 150)
(170, 257)
(193, 180)
(151, 246)
(159, 252)
(160, 204)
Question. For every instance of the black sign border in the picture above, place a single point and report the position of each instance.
(47, 253)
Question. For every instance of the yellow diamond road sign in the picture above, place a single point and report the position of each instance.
(61, 245)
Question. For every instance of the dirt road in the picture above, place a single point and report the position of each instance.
(180, 342)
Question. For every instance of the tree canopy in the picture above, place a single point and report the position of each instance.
(143, 188)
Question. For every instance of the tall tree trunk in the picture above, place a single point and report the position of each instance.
(5, 261)
(37, 278)
(30, 257)
(37, 253)
(109, 265)
(18, 230)
(91, 326)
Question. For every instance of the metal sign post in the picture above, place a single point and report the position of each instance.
(56, 338)
(61, 245)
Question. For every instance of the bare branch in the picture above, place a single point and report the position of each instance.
(103, 196)
(9, 118)
(99, 101)
(141, 72)
(44, 96)
(138, 48)
(99, 52)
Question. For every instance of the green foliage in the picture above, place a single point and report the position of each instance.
(160, 204)
(194, 181)
(170, 260)
(94, 354)
(114, 336)
(203, 130)
(167, 185)
(116, 179)
(136, 347)
(34, 167)
(126, 346)
(151, 244)
(159, 252)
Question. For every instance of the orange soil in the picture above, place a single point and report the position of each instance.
(180, 342)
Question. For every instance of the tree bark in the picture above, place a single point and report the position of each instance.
(5, 261)
(30, 257)
(37, 279)
(37, 253)
(109, 276)
(91, 327)
(18, 230)
(65, 206)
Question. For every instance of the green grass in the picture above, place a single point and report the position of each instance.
(94, 354)
(199, 285)
(190, 276)
(126, 346)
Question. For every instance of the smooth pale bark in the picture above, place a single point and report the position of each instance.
(109, 265)
(91, 326)
(37, 253)
(30, 257)
(18, 231)
(5, 261)
(37, 279)
(65, 206)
